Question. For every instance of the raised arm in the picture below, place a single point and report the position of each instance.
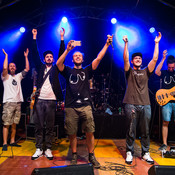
(153, 62)
(35, 53)
(159, 67)
(5, 64)
(126, 54)
(61, 59)
(101, 54)
(62, 45)
(26, 53)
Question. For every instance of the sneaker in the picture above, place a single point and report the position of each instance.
(15, 144)
(74, 159)
(129, 157)
(163, 147)
(93, 161)
(38, 153)
(48, 154)
(4, 147)
(147, 158)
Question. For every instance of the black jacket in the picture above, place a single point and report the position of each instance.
(40, 67)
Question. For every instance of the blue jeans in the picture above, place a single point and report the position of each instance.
(167, 111)
(44, 117)
(138, 115)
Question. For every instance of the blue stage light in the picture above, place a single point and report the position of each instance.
(22, 29)
(113, 20)
(64, 19)
(152, 30)
(131, 33)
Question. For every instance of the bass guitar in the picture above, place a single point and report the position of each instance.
(163, 96)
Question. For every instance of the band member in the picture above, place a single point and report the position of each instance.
(136, 99)
(12, 98)
(49, 91)
(168, 81)
(78, 100)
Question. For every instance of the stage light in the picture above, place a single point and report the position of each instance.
(152, 30)
(131, 33)
(64, 19)
(22, 29)
(113, 20)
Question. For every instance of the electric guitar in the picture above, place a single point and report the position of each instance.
(33, 95)
(163, 96)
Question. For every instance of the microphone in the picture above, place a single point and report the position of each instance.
(110, 42)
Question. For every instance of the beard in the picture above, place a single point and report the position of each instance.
(78, 64)
(12, 72)
(49, 64)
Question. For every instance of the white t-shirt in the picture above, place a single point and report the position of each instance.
(46, 92)
(12, 88)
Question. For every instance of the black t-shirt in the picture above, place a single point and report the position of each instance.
(168, 79)
(137, 87)
(77, 86)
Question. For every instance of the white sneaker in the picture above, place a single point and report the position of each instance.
(48, 154)
(129, 157)
(38, 153)
(147, 158)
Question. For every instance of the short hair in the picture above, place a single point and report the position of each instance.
(170, 59)
(47, 52)
(136, 54)
(78, 51)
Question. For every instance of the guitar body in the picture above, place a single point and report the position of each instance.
(33, 95)
(163, 96)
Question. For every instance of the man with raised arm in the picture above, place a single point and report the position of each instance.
(12, 98)
(49, 90)
(78, 99)
(136, 99)
(168, 82)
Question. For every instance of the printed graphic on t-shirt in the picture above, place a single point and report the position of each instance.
(75, 79)
(14, 82)
(138, 74)
(169, 80)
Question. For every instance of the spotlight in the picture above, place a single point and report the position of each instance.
(113, 20)
(22, 29)
(64, 20)
(152, 30)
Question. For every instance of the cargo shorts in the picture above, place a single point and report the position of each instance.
(72, 116)
(11, 113)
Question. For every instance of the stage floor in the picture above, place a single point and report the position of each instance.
(110, 153)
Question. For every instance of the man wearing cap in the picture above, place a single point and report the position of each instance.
(137, 102)
(49, 91)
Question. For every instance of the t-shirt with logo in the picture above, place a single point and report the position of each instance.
(77, 86)
(168, 79)
(12, 88)
(137, 87)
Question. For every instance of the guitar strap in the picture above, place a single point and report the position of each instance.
(44, 79)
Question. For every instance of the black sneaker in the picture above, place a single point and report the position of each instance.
(15, 144)
(163, 147)
(74, 159)
(4, 147)
(93, 161)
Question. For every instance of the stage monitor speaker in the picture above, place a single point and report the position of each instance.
(161, 170)
(83, 169)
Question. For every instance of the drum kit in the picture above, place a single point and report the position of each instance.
(103, 94)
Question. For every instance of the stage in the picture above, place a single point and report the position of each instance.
(109, 152)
